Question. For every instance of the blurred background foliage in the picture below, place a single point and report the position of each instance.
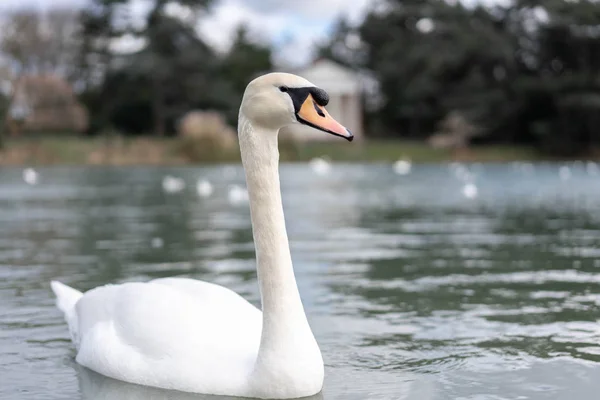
(527, 73)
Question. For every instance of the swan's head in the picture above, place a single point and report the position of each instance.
(277, 100)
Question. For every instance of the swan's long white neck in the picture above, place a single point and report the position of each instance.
(286, 335)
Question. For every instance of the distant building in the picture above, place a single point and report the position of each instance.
(344, 87)
(45, 103)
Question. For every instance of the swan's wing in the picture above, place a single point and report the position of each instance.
(206, 291)
(167, 332)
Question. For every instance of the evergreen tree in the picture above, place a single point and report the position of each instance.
(168, 75)
(528, 72)
(244, 61)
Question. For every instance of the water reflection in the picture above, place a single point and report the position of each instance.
(97, 387)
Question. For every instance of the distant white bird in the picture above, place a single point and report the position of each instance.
(157, 243)
(30, 176)
(320, 166)
(204, 188)
(564, 173)
(402, 167)
(592, 168)
(470, 191)
(172, 184)
(237, 194)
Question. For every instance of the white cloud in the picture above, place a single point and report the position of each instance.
(292, 27)
(323, 10)
(8, 5)
(472, 3)
(218, 28)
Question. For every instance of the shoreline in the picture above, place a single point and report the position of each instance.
(148, 151)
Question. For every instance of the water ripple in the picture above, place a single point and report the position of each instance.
(412, 290)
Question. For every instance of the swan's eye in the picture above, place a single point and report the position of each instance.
(283, 88)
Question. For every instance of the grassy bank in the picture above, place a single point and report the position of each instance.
(172, 151)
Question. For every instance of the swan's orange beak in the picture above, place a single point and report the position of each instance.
(316, 116)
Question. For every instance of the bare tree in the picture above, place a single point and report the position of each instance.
(35, 43)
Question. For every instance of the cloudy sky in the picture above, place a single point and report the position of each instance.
(293, 27)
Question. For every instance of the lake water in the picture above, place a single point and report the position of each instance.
(413, 290)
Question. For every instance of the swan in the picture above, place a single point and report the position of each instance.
(30, 176)
(237, 195)
(470, 191)
(320, 166)
(199, 337)
(204, 188)
(172, 184)
(402, 167)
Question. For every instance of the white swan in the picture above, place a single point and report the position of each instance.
(172, 184)
(30, 176)
(194, 336)
(402, 167)
(204, 188)
(470, 191)
(237, 195)
(320, 166)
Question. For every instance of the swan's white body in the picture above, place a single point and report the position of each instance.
(172, 333)
(195, 336)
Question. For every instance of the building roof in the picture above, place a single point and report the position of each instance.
(331, 76)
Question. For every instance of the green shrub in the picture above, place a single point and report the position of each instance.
(206, 149)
